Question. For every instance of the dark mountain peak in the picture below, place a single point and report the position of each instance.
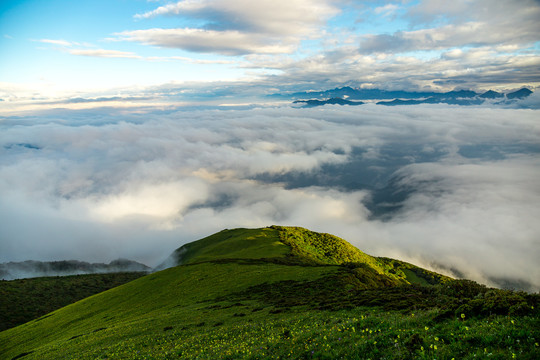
(345, 88)
(457, 94)
(520, 94)
(490, 94)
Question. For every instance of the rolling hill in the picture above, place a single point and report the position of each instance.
(284, 292)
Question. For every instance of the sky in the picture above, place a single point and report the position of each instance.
(131, 127)
(159, 49)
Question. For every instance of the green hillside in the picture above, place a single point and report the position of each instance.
(233, 244)
(284, 292)
(23, 300)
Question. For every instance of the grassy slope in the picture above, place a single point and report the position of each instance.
(267, 306)
(234, 244)
(177, 297)
(23, 300)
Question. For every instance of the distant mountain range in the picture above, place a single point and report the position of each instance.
(332, 101)
(350, 96)
(31, 268)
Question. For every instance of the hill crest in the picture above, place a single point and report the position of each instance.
(296, 246)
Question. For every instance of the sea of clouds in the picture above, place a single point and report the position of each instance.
(99, 184)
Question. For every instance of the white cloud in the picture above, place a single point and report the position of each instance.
(386, 10)
(229, 42)
(104, 53)
(57, 42)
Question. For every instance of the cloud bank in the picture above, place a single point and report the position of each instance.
(102, 184)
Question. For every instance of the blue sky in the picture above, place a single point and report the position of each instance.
(62, 48)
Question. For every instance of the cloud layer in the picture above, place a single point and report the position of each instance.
(104, 184)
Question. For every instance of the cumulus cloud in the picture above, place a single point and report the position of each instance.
(237, 27)
(461, 23)
(102, 184)
(230, 42)
(265, 16)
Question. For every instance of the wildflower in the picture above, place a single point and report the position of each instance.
(512, 321)
(513, 356)
(434, 347)
(463, 316)
(426, 328)
(436, 338)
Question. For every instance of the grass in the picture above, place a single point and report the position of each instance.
(234, 244)
(23, 300)
(278, 305)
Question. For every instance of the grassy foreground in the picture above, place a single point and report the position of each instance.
(285, 303)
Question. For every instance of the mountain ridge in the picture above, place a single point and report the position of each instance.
(351, 96)
(33, 268)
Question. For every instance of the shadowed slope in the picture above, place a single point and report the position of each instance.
(27, 299)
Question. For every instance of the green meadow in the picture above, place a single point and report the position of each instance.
(285, 293)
